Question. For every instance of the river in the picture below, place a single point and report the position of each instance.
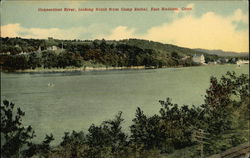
(79, 99)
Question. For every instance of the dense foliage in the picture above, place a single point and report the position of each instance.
(13, 134)
(223, 117)
(15, 137)
(18, 53)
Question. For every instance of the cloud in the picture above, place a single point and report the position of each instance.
(239, 16)
(210, 31)
(10, 30)
(120, 32)
(16, 30)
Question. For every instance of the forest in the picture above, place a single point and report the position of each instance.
(19, 54)
(220, 123)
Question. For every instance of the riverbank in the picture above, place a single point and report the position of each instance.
(90, 68)
(73, 69)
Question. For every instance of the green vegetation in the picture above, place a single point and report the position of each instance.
(18, 53)
(170, 133)
(15, 138)
(13, 134)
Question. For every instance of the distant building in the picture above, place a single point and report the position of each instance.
(199, 59)
(7, 53)
(23, 53)
(53, 48)
(43, 48)
(212, 62)
(185, 58)
(219, 61)
(240, 62)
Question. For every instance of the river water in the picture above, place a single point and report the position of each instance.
(79, 99)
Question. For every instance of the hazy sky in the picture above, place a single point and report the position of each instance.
(210, 24)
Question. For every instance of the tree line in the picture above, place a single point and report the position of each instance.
(129, 52)
(46, 59)
(70, 53)
(224, 116)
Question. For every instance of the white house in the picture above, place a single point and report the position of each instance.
(52, 48)
(240, 62)
(199, 59)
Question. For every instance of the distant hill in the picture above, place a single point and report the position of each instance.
(18, 45)
(222, 53)
(164, 48)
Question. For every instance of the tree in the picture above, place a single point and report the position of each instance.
(223, 97)
(146, 132)
(175, 122)
(16, 62)
(69, 59)
(107, 139)
(73, 144)
(43, 149)
(13, 134)
(118, 137)
(103, 45)
(175, 55)
(49, 59)
(34, 61)
(226, 111)
(15, 138)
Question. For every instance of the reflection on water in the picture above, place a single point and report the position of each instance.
(79, 99)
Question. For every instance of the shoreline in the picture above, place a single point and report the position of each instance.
(89, 68)
(80, 69)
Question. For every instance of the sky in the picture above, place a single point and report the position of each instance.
(207, 24)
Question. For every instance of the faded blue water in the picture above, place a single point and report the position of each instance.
(79, 99)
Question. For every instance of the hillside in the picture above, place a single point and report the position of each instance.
(27, 45)
(18, 53)
(167, 48)
(17, 45)
(222, 53)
